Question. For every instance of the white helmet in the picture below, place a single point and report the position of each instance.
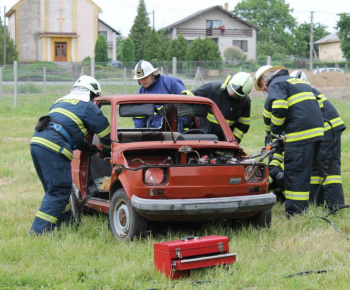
(241, 84)
(262, 71)
(90, 83)
(299, 75)
(144, 69)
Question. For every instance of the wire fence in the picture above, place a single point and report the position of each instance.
(117, 78)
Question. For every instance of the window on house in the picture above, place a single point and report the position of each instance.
(104, 33)
(242, 44)
(213, 24)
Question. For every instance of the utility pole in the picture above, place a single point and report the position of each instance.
(311, 41)
(5, 34)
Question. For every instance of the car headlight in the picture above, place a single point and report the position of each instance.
(155, 176)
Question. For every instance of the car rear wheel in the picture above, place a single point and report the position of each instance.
(262, 219)
(124, 222)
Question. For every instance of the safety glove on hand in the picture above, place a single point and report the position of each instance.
(91, 149)
(276, 143)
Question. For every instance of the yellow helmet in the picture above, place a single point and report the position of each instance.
(262, 71)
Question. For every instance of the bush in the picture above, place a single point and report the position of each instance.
(233, 53)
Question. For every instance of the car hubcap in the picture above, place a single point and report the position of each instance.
(121, 219)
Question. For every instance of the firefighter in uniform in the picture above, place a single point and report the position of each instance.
(232, 99)
(56, 135)
(326, 182)
(152, 82)
(295, 112)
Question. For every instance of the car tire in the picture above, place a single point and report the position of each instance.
(76, 208)
(124, 222)
(262, 219)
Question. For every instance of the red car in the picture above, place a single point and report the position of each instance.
(166, 175)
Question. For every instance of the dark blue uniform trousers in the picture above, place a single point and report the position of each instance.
(54, 171)
(328, 162)
(298, 163)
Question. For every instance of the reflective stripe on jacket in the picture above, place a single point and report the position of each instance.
(293, 109)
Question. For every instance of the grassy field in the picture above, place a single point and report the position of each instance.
(88, 257)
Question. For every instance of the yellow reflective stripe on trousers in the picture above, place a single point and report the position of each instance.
(296, 195)
(302, 135)
(72, 116)
(300, 97)
(316, 180)
(52, 146)
(46, 217)
(332, 179)
(244, 121)
(105, 132)
(335, 123)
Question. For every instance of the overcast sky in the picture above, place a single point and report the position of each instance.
(120, 14)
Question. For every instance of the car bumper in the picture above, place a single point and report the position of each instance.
(200, 206)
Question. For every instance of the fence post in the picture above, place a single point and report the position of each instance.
(124, 80)
(174, 66)
(93, 67)
(15, 84)
(44, 72)
(268, 61)
(1, 92)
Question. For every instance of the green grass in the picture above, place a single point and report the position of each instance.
(89, 257)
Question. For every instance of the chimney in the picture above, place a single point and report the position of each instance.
(226, 6)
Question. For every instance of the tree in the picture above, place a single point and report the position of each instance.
(302, 37)
(139, 29)
(203, 50)
(343, 25)
(11, 50)
(275, 21)
(153, 45)
(101, 49)
(127, 51)
(177, 48)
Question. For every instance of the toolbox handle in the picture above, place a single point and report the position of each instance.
(189, 238)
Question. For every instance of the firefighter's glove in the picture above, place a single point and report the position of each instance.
(92, 149)
(276, 143)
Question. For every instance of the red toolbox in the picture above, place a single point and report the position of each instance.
(176, 258)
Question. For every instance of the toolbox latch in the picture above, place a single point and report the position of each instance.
(178, 253)
(221, 247)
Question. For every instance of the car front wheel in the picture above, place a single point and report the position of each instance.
(262, 219)
(124, 222)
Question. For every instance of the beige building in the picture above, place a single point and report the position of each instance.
(57, 30)
(209, 23)
(329, 48)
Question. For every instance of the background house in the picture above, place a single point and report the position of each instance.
(329, 48)
(208, 23)
(57, 30)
